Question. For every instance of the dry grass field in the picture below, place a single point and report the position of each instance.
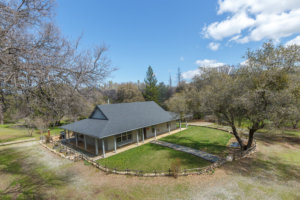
(28, 171)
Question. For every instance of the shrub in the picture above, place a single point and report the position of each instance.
(47, 139)
(175, 167)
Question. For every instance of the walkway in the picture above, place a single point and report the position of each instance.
(195, 152)
(16, 142)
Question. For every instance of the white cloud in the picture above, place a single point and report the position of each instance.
(214, 46)
(209, 63)
(296, 40)
(228, 27)
(201, 63)
(245, 62)
(255, 20)
(190, 74)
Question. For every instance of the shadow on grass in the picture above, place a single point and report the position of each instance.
(272, 138)
(30, 180)
(270, 168)
(265, 165)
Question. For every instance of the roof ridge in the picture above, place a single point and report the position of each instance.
(126, 103)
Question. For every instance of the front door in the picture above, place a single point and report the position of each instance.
(145, 133)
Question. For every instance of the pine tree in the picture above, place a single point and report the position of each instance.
(151, 90)
(178, 77)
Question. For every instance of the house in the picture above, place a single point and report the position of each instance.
(113, 126)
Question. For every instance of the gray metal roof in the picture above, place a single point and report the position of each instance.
(121, 118)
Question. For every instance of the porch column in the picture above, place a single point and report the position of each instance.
(96, 146)
(76, 139)
(180, 124)
(115, 141)
(103, 148)
(155, 132)
(137, 138)
(143, 135)
(68, 134)
(186, 125)
(169, 126)
(84, 138)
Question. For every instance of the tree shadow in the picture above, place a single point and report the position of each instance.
(32, 179)
(265, 169)
(272, 138)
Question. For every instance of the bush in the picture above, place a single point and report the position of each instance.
(175, 167)
(47, 139)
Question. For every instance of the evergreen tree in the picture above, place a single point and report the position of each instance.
(151, 90)
(179, 76)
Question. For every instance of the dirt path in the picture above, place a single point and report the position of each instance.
(273, 173)
(16, 142)
(200, 123)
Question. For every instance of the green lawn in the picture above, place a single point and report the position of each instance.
(11, 132)
(205, 139)
(150, 157)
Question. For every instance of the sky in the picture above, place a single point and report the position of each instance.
(168, 34)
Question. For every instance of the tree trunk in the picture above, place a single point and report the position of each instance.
(1, 114)
(250, 139)
(295, 123)
(237, 137)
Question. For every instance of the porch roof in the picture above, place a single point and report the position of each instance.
(120, 118)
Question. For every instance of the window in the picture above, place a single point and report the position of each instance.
(119, 139)
(168, 125)
(153, 129)
(124, 138)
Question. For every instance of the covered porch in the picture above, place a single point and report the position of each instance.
(101, 147)
(84, 143)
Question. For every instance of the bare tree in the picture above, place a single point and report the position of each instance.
(39, 63)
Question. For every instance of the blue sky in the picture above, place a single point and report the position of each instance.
(168, 34)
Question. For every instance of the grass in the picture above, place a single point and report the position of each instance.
(205, 139)
(8, 134)
(27, 179)
(28, 171)
(12, 132)
(150, 157)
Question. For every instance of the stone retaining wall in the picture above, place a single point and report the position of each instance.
(73, 157)
(196, 171)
